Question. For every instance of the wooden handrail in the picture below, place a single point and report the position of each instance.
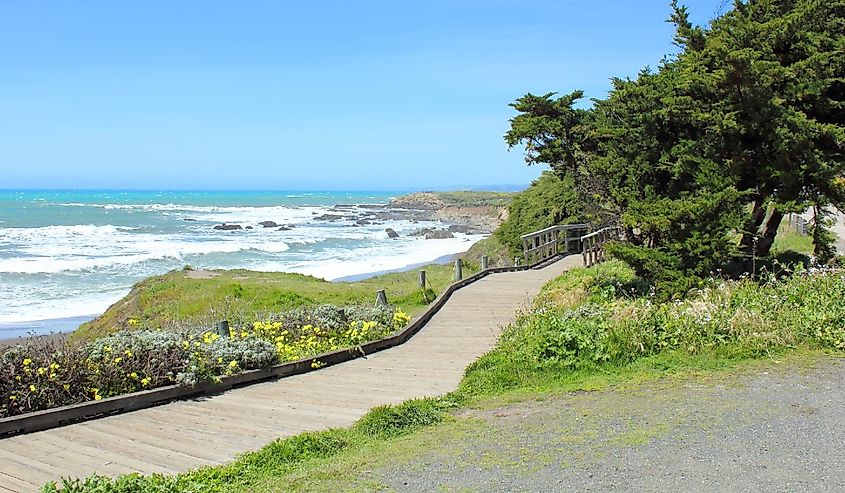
(592, 244)
(544, 244)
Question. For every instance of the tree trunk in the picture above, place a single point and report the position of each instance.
(768, 233)
(752, 228)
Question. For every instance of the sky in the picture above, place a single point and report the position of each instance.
(299, 95)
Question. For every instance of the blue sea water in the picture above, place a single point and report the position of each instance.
(71, 254)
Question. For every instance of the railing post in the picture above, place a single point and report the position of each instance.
(458, 270)
(223, 328)
(381, 298)
(516, 261)
(484, 262)
(422, 279)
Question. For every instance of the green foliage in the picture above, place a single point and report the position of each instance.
(184, 299)
(549, 200)
(401, 419)
(43, 373)
(498, 254)
(748, 113)
(475, 199)
(615, 324)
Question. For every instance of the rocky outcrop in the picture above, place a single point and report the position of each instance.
(461, 228)
(438, 234)
(268, 224)
(427, 201)
(329, 217)
(391, 233)
(228, 227)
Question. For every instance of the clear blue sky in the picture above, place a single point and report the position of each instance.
(285, 95)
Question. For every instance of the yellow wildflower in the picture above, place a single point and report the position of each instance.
(145, 381)
(233, 364)
(118, 360)
(42, 370)
(54, 366)
(32, 388)
(27, 362)
(12, 397)
(128, 353)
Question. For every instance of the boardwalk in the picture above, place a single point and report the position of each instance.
(187, 434)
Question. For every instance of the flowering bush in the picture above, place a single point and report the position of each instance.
(42, 374)
(303, 333)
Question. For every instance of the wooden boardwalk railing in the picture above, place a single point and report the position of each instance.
(555, 240)
(592, 245)
(214, 429)
(546, 243)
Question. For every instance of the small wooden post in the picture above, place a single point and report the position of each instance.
(516, 261)
(458, 270)
(223, 328)
(422, 279)
(381, 298)
(485, 261)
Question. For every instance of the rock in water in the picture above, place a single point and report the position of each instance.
(228, 227)
(269, 224)
(438, 234)
(461, 228)
(391, 233)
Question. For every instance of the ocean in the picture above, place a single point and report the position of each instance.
(66, 256)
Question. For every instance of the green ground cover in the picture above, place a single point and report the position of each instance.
(590, 329)
(188, 298)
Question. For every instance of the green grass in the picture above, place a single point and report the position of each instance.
(177, 299)
(468, 198)
(787, 240)
(496, 252)
(606, 336)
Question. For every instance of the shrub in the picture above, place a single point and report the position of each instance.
(43, 373)
(307, 332)
(614, 324)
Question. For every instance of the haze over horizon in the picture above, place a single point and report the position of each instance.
(334, 96)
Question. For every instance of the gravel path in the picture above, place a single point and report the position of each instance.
(772, 427)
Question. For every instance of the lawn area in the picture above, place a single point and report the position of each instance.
(200, 298)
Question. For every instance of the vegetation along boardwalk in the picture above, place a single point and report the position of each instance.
(187, 434)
